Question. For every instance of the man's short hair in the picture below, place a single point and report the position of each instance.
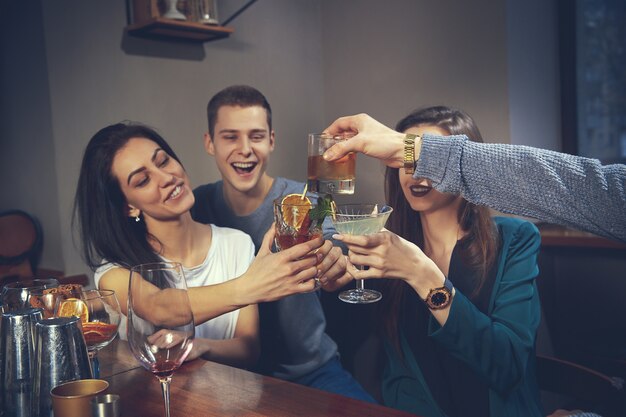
(237, 95)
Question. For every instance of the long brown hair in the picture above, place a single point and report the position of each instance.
(100, 207)
(481, 240)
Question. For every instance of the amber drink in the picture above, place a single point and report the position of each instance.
(293, 223)
(326, 177)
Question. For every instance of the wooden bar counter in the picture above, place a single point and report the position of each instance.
(203, 388)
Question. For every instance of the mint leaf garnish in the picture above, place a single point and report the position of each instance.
(324, 208)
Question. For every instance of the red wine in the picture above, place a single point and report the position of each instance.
(165, 368)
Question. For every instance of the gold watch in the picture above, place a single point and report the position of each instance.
(409, 153)
(439, 298)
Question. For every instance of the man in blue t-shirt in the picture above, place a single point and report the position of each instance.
(294, 343)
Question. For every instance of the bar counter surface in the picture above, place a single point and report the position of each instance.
(204, 388)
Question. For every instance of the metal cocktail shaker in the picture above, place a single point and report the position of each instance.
(17, 332)
(60, 356)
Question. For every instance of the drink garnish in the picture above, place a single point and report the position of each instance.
(295, 209)
(98, 332)
(325, 207)
(73, 307)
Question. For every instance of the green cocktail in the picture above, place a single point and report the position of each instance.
(360, 219)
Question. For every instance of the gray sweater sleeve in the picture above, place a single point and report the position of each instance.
(550, 186)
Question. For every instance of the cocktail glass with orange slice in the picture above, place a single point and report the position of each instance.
(293, 222)
(100, 316)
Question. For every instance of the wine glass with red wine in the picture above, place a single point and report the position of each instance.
(160, 321)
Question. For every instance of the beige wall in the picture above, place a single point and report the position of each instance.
(68, 70)
(389, 58)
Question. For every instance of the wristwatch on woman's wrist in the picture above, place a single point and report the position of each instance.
(440, 298)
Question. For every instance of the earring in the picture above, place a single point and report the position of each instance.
(137, 219)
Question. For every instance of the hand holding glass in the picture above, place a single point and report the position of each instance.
(360, 219)
(325, 177)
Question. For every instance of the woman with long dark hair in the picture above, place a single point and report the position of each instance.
(132, 207)
(460, 307)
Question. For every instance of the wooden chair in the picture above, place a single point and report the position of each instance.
(581, 388)
(20, 244)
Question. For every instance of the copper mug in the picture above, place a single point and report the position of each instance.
(73, 399)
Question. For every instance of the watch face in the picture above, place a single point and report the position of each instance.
(439, 298)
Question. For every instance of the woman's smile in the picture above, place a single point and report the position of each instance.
(176, 192)
(420, 190)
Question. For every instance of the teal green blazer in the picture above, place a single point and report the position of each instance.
(499, 346)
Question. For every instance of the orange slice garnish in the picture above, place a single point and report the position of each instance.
(98, 328)
(295, 208)
(73, 307)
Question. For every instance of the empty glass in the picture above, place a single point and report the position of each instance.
(16, 295)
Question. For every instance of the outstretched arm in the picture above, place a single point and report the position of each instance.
(271, 276)
(555, 187)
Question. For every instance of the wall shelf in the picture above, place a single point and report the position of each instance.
(160, 28)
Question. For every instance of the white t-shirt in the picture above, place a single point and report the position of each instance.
(229, 256)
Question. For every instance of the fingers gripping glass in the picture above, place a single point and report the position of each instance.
(326, 177)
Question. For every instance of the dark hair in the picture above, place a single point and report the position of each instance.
(237, 95)
(480, 244)
(100, 209)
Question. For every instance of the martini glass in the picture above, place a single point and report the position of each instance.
(360, 219)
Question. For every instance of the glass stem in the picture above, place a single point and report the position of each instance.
(165, 387)
(95, 365)
(360, 283)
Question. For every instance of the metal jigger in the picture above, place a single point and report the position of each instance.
(17, 330)
(60, 356)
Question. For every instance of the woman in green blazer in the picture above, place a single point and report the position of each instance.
(460, 307)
